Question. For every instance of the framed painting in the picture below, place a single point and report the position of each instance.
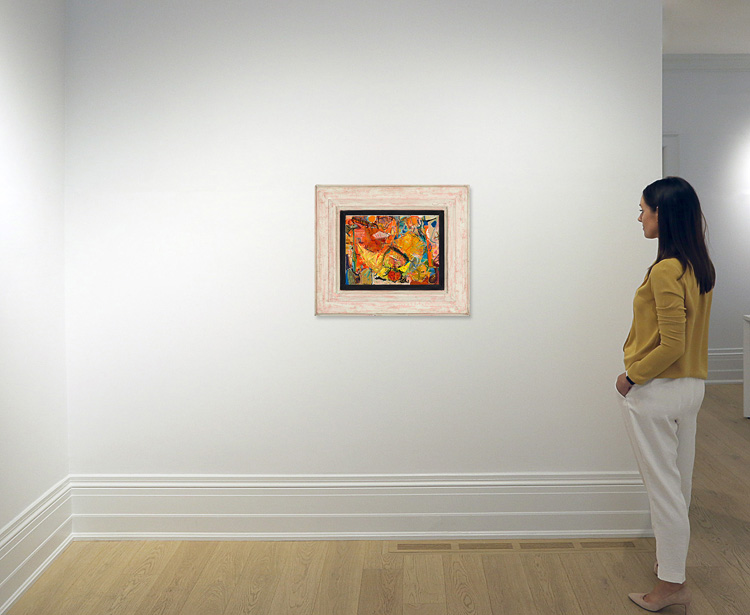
(392, 250)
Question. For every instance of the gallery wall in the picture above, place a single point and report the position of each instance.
(707, 115)
(196, 133)
(33, 431)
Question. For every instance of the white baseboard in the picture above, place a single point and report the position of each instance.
(32, 541)
(359, 507)
(706, 61)
(725, 365)
(179, 507)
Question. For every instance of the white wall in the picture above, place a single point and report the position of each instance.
(33, 431)
(707, 105)
(196, 133)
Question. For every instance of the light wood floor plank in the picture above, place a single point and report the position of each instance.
(507, 585)
(300, 580)
(424, 579)
(549, 584)
(466, 590)
(592, 586)
(95, 581)
(215, 586)
(259, 579)
(716, 471)
(341, 579)
(725, 402)
(171, 590)
(425, 609)
(129, 587)
(381, 592)
(718, 587)
(725, 442)
(379, 557)
(730, 538)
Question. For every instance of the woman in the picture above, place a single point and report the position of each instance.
(666, 362)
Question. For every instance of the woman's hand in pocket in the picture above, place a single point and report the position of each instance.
(622, 385)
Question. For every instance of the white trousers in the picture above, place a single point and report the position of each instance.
(660, 417)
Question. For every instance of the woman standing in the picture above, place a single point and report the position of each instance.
(666, 362)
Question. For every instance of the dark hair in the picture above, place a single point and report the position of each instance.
(682, 228)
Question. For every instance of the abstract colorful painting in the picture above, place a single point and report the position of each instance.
(392, 249)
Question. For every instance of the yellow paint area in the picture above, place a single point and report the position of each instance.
(410, 244)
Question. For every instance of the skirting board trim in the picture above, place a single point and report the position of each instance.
(706, 62)
(603, 534)
(32, 541)
(33, 512)
(359, 507)
(348, 481)
(725, 366)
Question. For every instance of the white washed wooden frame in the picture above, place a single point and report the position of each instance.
(452, 200)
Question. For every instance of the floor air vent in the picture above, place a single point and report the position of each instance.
(523, 546)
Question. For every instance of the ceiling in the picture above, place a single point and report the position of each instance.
(706, 26)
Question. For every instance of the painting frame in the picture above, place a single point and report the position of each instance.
(452, 201)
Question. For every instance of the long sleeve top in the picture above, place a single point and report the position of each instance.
(669, 334)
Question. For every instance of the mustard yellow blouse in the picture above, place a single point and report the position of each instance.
(669, 335)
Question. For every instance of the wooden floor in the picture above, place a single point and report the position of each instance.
(357, 578)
